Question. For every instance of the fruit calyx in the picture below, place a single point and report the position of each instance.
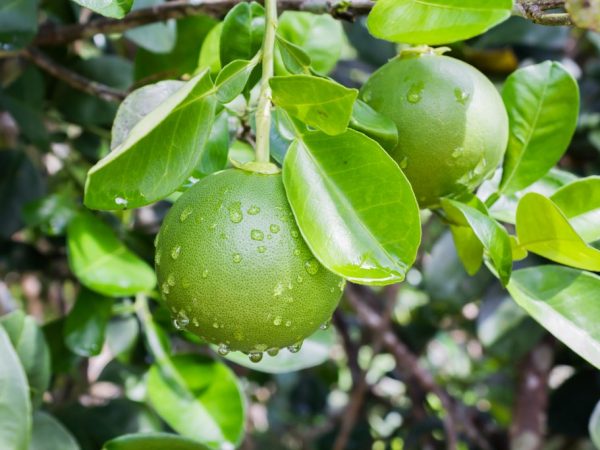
(265, 168)
(411, 52)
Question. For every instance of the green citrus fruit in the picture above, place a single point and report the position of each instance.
(452, 124)
(234, 269)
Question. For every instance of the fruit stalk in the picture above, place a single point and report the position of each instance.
(263, 111)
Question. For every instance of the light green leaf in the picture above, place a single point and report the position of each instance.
(210, 408)
(18, 23)
(594, 425)
(102, 263)
(500, 319)
(159, 37)
(86, 323)
(580, 203)
(543, 229)
(318, 102)
(49, 434)
(242, 32)
(375, 125)
(209, 53)
(354, 206)
(315, 351)
(159, 153)
(294, 59)
(108, 8)
(468, 248)
(233, 78)
(565, 302)
(490, 233)
(15, 406)
(153, 441)
(435, 22)
(543, 105)
(29, 343)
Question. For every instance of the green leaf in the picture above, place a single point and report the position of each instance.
(102, 263)
(320, 36)
(543, 229)
(209, 53)
(153, 441)
(499, 320)
(159, 37)
(284, 130)
(565, 302)
(318, 102)
(210, 408)
(18, 23)
(490, 233)
(49, 434)
(122, 334)
(435, 22)
(242, 32)
(580, 203)
(594, 425)
(108, 8)
(375, 125)
(468, 247)
(543, 105)
(233, 78)
(33, 352)
(51, 214)
(159, 153)
(15, 406)
(214, 155)
(315, 351)
(86, 323)
(354, 206)
(294, 59)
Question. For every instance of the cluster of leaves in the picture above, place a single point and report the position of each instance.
(352, 202)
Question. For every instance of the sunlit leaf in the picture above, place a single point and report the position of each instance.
(242, 32)
(233, 78)
(108, 8)
(153, 441)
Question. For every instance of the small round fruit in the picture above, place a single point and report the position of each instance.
(452, 124)
(233, 268)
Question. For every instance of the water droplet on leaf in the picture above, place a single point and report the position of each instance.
(223, 349)
(121, 202)
(295, 348)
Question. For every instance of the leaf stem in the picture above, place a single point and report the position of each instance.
(263, 111)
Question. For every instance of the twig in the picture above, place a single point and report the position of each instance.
(536, 12)
(73, 79)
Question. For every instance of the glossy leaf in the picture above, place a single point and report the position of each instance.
(354, 206)
(490, 233)
(315, 351)
(108, 8)
(468, 247)
(543, 105)
(294, 59)
(18, 23)
(318, 102)
(86, 323)
(594, 425)
(233, 78)
(214, 154)
(159, 153)
(15, 406)
(153, 441)
(28, 341)
(209, 409)
(435, 21)
(543, 229)
(375, 125)
(565, 302)
(579, 201)
(159, 37)
(498, 320)
(209, 53)
(102, 263)
(284, 129)
(242, 32)
(49, 434)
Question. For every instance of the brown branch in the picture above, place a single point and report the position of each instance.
(536, 12)
(73, 79)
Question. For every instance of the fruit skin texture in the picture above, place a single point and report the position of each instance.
(231, 262)
(452, 124)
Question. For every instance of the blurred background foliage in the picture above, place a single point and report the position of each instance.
(92, 373)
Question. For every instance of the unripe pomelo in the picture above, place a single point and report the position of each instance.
(234, 269)
(452, 124)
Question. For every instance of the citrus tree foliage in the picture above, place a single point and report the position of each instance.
(451, 198)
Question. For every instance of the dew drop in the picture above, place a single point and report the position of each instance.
(121, 202)
(274, 228)
(461, 96)
(262, 249)
(215, 325)
(157, 257)
(257, 235)
(185, 214)
(288, 323)
(255, 357)
(235, 212)
(165, 288)
(278, 290)
(415, 93)
(195, 322)
(181, 321)
(325, 325)
(342, 284)
(237, 258)
(175, 252)
(171, 279)
(294, 234)
(404, 163)
(273, 352)
(277, 321)
(297, 252)
(480, 168)
(253, 210)
(311, 266)
(156, 239)
(205, 273)
(295, 348)
(223, 349)
(299, 279)
(457, 153)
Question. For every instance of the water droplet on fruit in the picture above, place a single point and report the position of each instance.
(255, 357)
(253, 210)
(278, 290)
(480, 168)
(299, 279)
(235, 212)
(121, 202)
(195, 322)
(273, 352)
(181, 321)
(458, 152)
(157, 257)
(165, 288)
(237, 258)
(294, 234)
(175, 252)
(205, 273)
(215, 325)
(295, 348)
(415, 92)
(223, 349)
(185, 283)
(288, 323)
(257, 235)
(156, 239)
(297, 251)
(404, 163)
(277, 321)
(342, 284)
(185, 214)
(461, 96)
(274, 228)
(311, 266)
(171, 279)
(262, 249)
(325, 325)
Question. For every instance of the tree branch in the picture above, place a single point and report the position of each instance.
(73, 79)
(536, 12)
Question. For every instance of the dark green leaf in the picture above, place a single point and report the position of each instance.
(102, 263)
(18, 23)
(49, 434)
(63, 360)
(159, 37)
(122, 334)
(435, 21)
(159, 153)
(594, 425)
(565, 302)
(233, 78)
(375, 125)
(153, 441)
(242, 33)
(318, 102)
(543, 105)
(354, 206)
(15, 406)
(86, 323)
(294, 59)
(51, 214)
(108, 8)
